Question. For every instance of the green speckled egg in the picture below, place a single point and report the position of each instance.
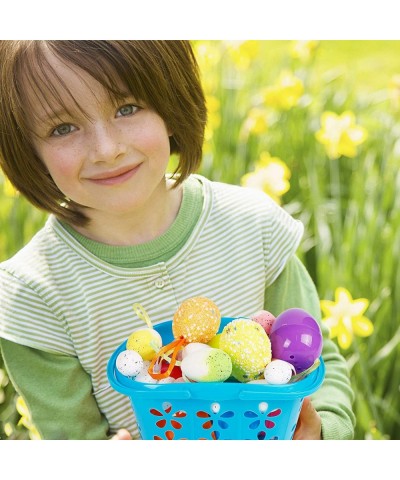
(209, 365)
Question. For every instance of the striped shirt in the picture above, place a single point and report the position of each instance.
(59, 297)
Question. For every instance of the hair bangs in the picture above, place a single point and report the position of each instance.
(38, 83)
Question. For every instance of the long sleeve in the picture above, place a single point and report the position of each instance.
(57, 391)
(333, 401)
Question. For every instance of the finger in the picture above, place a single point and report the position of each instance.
(122, 434)
(309, 423)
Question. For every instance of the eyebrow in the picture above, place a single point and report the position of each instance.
(56, 114)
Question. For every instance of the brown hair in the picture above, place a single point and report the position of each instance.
(163, 74)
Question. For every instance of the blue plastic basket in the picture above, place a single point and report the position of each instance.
(213, 411)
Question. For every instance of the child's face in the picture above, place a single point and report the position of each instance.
(113, 159)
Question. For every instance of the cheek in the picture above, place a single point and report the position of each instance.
(154, 141)
(61, 167)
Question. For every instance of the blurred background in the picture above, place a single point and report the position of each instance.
(316, 124)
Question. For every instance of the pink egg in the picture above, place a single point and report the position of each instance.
(265, 319)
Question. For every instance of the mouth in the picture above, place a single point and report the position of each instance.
(114, 177)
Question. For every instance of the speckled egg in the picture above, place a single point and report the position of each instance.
(207, 365)
(265, 319)
(196, 320)
(129, 363)
(193, 347)
(279, 372)
(146, 341)
(248, 346)
(144, 376)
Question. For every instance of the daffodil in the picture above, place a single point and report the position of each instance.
(243, 53)
(8, 189)
(344, 317)
(271, 175)
(26, 420)
(208, 55)
(304, 50)
(213, 120)
(340, 135)
(255, 123)
(285, 93)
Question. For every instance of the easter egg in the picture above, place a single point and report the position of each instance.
(166, 380)
(146, 341)
(214, 342)
(196, 320)
(296, 338)
(207, 365)
(129, 363)
(248, 346)
(176, 372)
(265, 319)
(143, 376)
(193, 347)
(279, 372)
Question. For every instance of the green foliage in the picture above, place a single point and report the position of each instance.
(348, 205)
(18, 223)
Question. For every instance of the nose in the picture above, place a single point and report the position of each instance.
(107, 144)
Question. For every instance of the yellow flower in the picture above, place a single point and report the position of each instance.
(286, 92)
(26, 420)
(271, 175)
(8, 189)
(344, 317)
(256, 122)
(208, 55)
(340, 135)
(213, 121)
(304, 50)
(243, 53)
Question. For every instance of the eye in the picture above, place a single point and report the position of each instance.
(62, 130)
(127, 110)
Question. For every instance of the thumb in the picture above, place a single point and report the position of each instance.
(122, 434)
(309, 423)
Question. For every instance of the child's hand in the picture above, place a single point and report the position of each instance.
(122, 434)
(309, 424)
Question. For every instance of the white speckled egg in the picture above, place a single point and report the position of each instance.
(167, 380)
(144, 376)
(279, 372)
(194, 347)
(129, 363)
(207, 365)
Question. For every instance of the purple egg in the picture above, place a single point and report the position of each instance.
(296, 338)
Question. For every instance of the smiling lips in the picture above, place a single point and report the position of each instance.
(115, 177)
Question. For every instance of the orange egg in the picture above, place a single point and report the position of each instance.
(196, 320)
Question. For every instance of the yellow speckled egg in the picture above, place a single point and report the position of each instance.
(196, 320)
(249, 347)
(146, 341)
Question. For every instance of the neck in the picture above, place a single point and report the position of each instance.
(135, 227)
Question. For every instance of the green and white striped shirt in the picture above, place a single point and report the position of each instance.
(59, 297)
